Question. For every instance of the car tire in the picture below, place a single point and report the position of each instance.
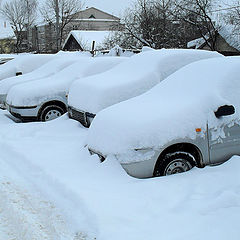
(51, 112)
(176, 162)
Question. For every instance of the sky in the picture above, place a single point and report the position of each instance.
(115, 7)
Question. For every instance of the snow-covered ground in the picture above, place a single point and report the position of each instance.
(51, 188)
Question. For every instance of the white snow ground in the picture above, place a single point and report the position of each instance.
(51, 188)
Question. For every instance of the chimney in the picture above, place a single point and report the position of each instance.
(5, 24)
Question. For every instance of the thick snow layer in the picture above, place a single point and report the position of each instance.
(173, 109)
(131, 78)
(51, 188)
(39, 91)
(7, 56)
(24, 63)
(50, 68)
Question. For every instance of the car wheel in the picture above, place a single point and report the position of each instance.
(173, 163)
(51, 112)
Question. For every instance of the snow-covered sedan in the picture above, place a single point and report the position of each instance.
(129, 79)
(46, 99)
(48, 69)
(23, 64)
(190, 119)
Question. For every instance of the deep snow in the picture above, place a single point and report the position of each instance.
(131, 78)
(51, 188)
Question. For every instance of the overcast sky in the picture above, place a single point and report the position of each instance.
(115, 7)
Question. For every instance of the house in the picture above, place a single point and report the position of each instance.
(43, 37)
(95, 20)
(7, 37)
(227, 41)
(85, 40)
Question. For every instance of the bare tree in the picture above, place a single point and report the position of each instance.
(199, 14)
(30, 12)
(60, 13)
(151, 23)
(233, 16)
(20, 14)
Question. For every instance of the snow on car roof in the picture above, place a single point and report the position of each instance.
(173, 109)
(34, 92)
(57, 64)
(131, 78)
(23, 63)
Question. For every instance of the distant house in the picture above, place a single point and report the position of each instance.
(43, 37)
(85, 40)
(95, 20)
(7, 37)
(227, 41)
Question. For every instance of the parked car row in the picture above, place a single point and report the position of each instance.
(158, 113)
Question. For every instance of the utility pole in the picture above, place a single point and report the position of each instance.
(57, 25)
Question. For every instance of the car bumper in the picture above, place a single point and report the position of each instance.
(24, 112)
(141, 168)
(85, 118)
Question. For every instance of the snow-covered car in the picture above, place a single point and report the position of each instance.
(50, 68)
(129, 79)
(190, 119)
(6, 57)
(23, 64)
(46, 99)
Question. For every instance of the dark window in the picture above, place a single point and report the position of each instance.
(92, 16)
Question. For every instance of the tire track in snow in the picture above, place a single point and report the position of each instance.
(28, 217)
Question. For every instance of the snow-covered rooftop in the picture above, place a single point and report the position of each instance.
(6, 30)
(196, 43)
(85, 38)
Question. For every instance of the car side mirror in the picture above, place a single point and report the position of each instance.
(18, 73)
(225, 111)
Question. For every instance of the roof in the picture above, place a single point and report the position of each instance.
(111, 19)
(96, 9)
(231, 35)
(85, 38)
(6, 30)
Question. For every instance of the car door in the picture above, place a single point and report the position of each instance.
(224, 141)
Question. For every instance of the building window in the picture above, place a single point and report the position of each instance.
(92, 16)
